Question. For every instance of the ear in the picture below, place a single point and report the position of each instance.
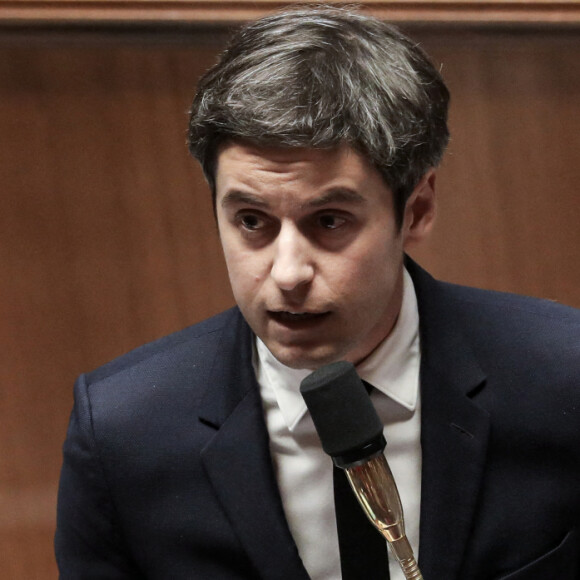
(420, 211)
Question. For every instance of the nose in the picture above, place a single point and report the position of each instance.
(292, 262)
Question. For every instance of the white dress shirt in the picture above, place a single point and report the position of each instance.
(304, 471)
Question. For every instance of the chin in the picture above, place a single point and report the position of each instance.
(305, 358)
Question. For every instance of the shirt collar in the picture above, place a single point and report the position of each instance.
(392, 368)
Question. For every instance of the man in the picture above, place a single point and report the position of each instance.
(194, 457)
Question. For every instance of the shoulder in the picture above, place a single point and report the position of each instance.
(157, 388)
(488, 312)
(193, 347)
(522, 318)
(520, 340)
(516, 306)
(505, 331)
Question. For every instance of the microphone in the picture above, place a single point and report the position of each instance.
(352, 434)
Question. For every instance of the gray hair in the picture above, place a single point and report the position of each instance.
(318, 77)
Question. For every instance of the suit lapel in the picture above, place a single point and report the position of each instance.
(454, 433)
(238, 463)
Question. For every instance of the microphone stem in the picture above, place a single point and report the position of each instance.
(376, 491)
(404, 554)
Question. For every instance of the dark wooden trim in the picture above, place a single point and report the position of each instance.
(159, 12)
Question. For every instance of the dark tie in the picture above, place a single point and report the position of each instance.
(363, 551)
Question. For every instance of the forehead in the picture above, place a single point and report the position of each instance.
(242, 164)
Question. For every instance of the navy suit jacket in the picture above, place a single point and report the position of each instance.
(167, 472)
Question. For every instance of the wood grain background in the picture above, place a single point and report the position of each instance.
(107, 237)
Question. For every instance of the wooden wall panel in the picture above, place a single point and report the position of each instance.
(107, 237)
(508, 188)
(107, 240)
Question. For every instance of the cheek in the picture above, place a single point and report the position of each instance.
(238, 262)
(245, 274)
(369, 273)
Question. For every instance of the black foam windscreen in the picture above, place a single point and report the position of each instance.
(343, 414)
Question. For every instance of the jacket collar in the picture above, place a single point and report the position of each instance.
(454, 430)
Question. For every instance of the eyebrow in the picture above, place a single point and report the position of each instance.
(337, 195)
(241, 197)
(334, 195)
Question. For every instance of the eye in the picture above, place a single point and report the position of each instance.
(251, 221)
(330, 221)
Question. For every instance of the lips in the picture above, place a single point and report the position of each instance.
(297, 318)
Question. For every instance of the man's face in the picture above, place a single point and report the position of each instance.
(312, 249)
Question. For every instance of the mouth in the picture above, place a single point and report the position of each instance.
(297, 319)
